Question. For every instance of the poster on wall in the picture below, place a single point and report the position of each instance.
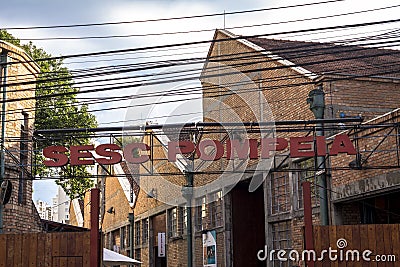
(210, 249)
(161, 245)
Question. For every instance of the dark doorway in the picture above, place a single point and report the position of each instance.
(381, 209)
(159, 226)
(159, 261)
(248, 225)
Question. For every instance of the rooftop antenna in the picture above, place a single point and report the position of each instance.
(224, 19)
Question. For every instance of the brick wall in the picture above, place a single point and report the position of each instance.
(368, 97)
(72, 215)
(115, 198)
(156, 182)
(86, 210)
(20, 214)
(383, 140)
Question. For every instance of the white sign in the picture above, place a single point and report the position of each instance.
(210, 249)
(161, 244)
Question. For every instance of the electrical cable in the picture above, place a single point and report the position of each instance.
(207, 30)
(167, 19)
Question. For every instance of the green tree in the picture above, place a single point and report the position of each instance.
(59, 112)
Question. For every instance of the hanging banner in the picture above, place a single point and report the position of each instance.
(210, 249)
(161, 245)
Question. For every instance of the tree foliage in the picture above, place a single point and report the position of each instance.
(62, 111)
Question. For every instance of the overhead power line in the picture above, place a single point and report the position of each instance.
(145, 83)
(171, 18)
(339, 41)
(227, 39)
(213, 41)
(217, 92)
(301, 49)
(206, 30)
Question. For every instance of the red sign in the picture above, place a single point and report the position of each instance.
(248, 149)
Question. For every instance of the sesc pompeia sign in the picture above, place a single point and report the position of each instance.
(108, 154)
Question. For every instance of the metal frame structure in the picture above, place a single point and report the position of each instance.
(352, 126)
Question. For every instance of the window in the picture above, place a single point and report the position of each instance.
(128, 236)
(145, 231)
(137, 233)
(23, 158)
(138, 255)
(172, 223)
(281, 236)
(123, 237)
(183, 221)
(215, 209)
(108, 240)
(280, 196)
(307, 173)
(200, 214)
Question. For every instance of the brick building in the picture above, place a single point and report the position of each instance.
(19, 214)
(354, 80)
(282, 73)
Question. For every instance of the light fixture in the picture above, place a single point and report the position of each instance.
(111, 210)
(152, 193)
(357, 164)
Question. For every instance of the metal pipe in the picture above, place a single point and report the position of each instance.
(322, 184)
(96, 253)
(316, 99)
(3, 129)
(196, 125)
(131, 229)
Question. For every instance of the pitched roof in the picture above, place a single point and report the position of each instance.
(330, 58)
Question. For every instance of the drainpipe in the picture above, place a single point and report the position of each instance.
(316, 99)
(3, 60)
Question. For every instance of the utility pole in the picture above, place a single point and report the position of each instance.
(316, 99)
(3, 72)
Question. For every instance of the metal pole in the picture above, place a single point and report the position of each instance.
(188, 194)
(322, 184)
(95, 251)
(3, 129)
(316, 99)
(131, 224)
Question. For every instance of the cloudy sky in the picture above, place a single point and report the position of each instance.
(31, 13)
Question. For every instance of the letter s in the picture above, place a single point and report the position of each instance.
(107, 150)
(55, 153)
